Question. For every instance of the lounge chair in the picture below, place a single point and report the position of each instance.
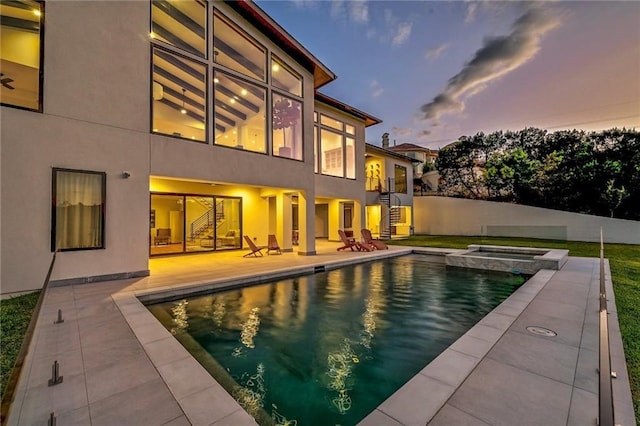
(272, 245)
(255, 250)
(368, 239)
(351, 243)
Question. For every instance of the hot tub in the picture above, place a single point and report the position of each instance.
(525, 260)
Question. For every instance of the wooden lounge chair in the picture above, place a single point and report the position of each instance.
(351, 243)
(368, 239)
(272, 245)
(255, 250)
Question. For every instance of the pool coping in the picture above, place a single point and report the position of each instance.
(191, 384)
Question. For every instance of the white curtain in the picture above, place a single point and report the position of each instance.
(79, 210)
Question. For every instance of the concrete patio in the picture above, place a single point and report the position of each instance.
(120, 366)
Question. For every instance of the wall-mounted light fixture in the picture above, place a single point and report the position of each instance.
(126, 175)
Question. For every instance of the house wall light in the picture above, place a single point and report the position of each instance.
(126, 175)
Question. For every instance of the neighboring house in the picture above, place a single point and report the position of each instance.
(133, 129)
(420, 153)
(389, 185)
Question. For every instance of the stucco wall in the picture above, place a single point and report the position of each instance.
(454, 216)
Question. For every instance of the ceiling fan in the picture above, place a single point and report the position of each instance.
(5, 82)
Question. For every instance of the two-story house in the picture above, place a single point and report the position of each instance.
(132, 129)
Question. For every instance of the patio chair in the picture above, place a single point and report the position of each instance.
(255, 250)
(368, 239)
(272, 245)
(351, 243)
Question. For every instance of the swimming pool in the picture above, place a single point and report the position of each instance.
(332, 345)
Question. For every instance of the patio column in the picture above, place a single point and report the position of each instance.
(284, 222)
(306, 223)
(358, 219)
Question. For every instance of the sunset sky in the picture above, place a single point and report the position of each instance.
(436, 70)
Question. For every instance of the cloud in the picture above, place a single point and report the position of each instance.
(423, 134)
(401, 131)
(498, 56)
(470, 16)
(376, 89)
(359, 11)
(356, 11)
(402, 33)
(436, 51)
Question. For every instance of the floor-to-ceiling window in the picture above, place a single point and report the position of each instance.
(256, 96)
(182, 223)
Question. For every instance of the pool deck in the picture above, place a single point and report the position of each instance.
(120, 366)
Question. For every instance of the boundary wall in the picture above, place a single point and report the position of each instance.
(434, 215)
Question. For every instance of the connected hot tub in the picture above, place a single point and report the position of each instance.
(525, 260)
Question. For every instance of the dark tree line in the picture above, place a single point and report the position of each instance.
(585, 172)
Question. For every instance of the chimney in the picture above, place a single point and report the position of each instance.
(385, 140)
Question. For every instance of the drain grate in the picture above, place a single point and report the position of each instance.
(541, 331)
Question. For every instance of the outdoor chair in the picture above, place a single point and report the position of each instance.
(255, 250)
(368, 239)
(351, 243)
(272, 245)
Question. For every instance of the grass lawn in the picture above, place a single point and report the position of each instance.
(624, 260)
(625, 271)
(15, 314)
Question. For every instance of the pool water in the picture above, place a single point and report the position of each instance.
(328, 348)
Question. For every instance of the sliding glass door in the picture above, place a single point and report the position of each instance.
(181, 223)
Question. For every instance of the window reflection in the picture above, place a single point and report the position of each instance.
(235, 50)
(239, 113)
(178, 92)
(20, 53)
(182, 24)
(287, 127)
(283, 78)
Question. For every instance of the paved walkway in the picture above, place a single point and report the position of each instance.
(120, 366)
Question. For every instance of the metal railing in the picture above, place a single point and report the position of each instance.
(605, 409)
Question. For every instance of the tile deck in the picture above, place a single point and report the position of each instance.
(120, 366)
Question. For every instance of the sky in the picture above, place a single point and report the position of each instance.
(433, 71)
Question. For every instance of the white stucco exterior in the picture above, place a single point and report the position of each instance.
(96, 116)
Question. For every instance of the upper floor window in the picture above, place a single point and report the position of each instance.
(234, 49)
(77, 209)
(287, 127)
(179, 97)
(239, 113)
(400, 179)
(336, 148)
(255, 107)
(182, 24)
(20, 54)
(282, 77)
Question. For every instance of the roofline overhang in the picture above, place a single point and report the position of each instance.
(259, 18)
(388, 153)
(369, 120)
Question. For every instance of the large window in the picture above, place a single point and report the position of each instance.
(287, 127)
(253, 96)
(182, 24)
(179, 98)
(78, 210)
(20, 54)
(400, 175)
(239, 113)
(336, 146)
(235, 50)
